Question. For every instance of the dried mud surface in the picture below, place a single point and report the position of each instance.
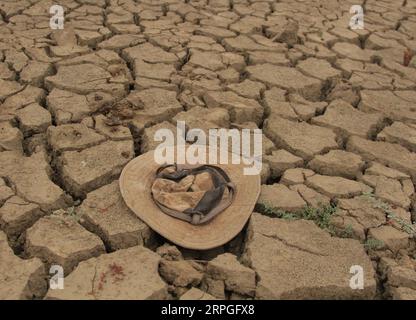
(338, 112)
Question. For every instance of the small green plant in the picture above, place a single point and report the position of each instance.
(288, 216)
(367, 194)
(321, 215)
(348, 232)
(269, 210)
(273, 212)
(70, 212)
(373, 244)
(410, 228)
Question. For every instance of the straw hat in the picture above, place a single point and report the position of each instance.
(138, 179)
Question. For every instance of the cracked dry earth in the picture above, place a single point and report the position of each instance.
(338, 112)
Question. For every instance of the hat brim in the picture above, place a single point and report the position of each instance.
(135, 185)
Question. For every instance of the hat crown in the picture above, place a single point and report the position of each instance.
(195, 194)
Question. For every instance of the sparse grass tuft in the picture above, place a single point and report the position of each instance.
(269, 210)
(348, 232)
(321, 215)
(410, 228)
(70, 212)
(405, 226)
(274, 212)
(373, 244)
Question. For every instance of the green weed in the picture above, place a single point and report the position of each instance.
(373, 244)
(321, 215)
